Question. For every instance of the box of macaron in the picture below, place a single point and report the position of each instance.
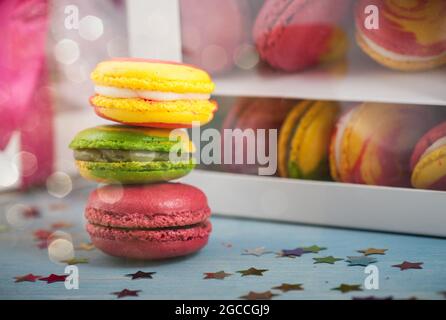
(178, 142)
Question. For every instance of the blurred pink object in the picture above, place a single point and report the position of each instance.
(213, 31)
(25, 104)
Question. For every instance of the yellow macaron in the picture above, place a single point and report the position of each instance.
(304, 140)
(152, 93)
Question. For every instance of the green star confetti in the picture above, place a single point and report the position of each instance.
(329, 259)
(75, 261)
(252, 272)
(344, 288)
(313, 249)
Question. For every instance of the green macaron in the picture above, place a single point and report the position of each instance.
(128, 155)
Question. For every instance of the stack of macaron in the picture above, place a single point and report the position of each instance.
(139, 213)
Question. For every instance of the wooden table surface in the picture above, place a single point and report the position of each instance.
(182, 278)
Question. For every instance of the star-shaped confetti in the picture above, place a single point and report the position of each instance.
(371, 251)
(220, 275)
(126, 293)
(141, 275)
(86, 246)
(42, 234)
(31, 212)
(27, 278)
(372, 298)
(42, 244)
(54, 278)
(297, 252)
(344, 288)
(259, 295)
(408, 265)
(363, 261)
(75, 261)
(285, 287)
(313, 249)
(252, 272)
(226, 245)
(329, 259)
(256, 251)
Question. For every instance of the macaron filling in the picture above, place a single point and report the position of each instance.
(396, 56)
(181, 227)
(126, 93)
(434, 146)
(111, 155)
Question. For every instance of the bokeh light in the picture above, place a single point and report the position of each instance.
(60, 247)
(246, 57)
(77, 72)
(9, 172)
(117, 47)
(91, 28)
(15, 215)
(110, 194)
(28, 162)
(66, 51)
(214, 58)
(59, 184)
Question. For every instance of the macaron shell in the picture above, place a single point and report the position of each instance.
(133, 172)
(147, 206)
(149, 244)
(118, 137)
(214, 46)
(430, 171)
(377, 143)
(414, 30)
(152, 75)
(308, 158)
(407, 65)
(141, 112)
(293, 35)
(437, 132)
(286, 132)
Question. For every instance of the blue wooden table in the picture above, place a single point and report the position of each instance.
(183, 278)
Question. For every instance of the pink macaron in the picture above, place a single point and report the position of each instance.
(214, 31)
(148, 222)
(292, 35)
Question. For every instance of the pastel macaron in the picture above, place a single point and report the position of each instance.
(216, 46)
(148, 222)
(372, 143)
(122, 154)
(428, 160)
(297, 34)
(305, 138)
(152, 93)
(403, 35)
